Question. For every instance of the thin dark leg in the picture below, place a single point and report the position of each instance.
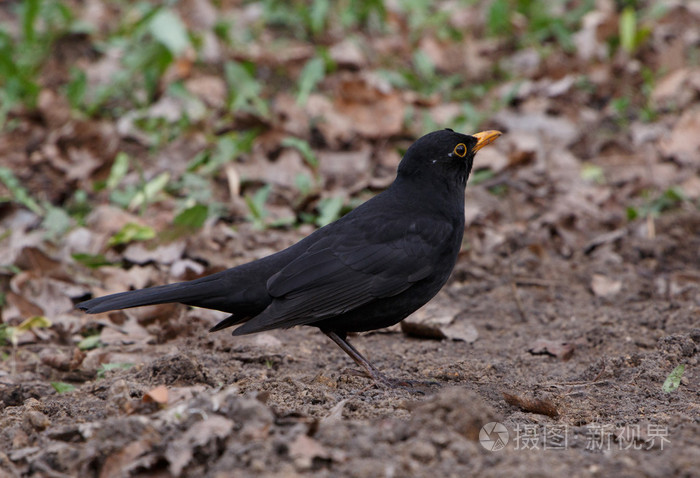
(368, 368)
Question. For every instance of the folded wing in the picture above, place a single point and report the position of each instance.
(338, 274)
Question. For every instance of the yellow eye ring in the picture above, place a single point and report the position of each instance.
(460, 150)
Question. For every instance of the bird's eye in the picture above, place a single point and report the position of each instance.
(460, 150)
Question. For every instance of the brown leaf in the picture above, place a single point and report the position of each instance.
(532, 405)
(558, 129)
(304, 449)
(138, 253)
(345, 169)
(335, 128)
(158, 395)
(181, 450)
(210, 89)
(52, 296)
(63, 362)
(678, 89)
(684, 142)
(435, 321)
(122, 461)
(346, 54)
(603, 286)
(558, 349)
(374, 109)
(282, 172)
(110, 219)
(129, 332)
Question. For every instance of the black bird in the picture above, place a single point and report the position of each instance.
(367, 270)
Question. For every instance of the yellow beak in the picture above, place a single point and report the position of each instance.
(485, 138)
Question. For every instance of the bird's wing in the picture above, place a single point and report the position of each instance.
(338, 274)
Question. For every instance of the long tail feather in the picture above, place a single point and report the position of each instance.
(211, 292)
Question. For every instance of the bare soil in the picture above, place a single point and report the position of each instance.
(283, 403)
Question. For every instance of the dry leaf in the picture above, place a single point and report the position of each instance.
(138, 253)
(684, 142)
(374, 109)
(210, 89)
(180, 451)
(603, 286)
(435, 321)
(558, 349)
(677, 90)
(304, 449)
(121, 462)
(345, 169)
(130, 332)
(158, 395)
(346, 54)
(532, 405)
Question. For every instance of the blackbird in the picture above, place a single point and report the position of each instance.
(367, 270)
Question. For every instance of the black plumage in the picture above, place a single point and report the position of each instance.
(367, 270)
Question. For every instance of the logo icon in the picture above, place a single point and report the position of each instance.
(494, 436)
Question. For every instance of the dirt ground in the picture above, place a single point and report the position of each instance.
(548, 353)
(281, 403)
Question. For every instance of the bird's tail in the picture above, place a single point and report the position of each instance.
(210, 292)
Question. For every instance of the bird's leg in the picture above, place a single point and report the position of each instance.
(369, 369)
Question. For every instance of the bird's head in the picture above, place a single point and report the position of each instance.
(444, 154)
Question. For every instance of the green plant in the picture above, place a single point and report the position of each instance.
(192, 217)
(311, 19)
(55, 221)
(425, 15)
(131, 232)
(245, 92)
(10, 334)
(62, 387)
(22, 58)
(312, 73)
(653, 207)
(92, 261)
(90, 342)
(329, 210)
(632, 34)
(18, 192)
(673, 381)
(545, 21)
(304, 148)
(106, 367)
(256, 206)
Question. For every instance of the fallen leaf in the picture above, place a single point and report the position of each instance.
(375, 110)
(558, 349)
(121, 462)
(557, 129)
(210, 89)
(158, 395)
(63, 362)
(180, 451)
(304, 449)
(678, 89)
(347, 54)
(532, 405)
(345, 169)
(130, 332)
(604, 286)
(683, 143)
(138, 253)
(436, 321)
